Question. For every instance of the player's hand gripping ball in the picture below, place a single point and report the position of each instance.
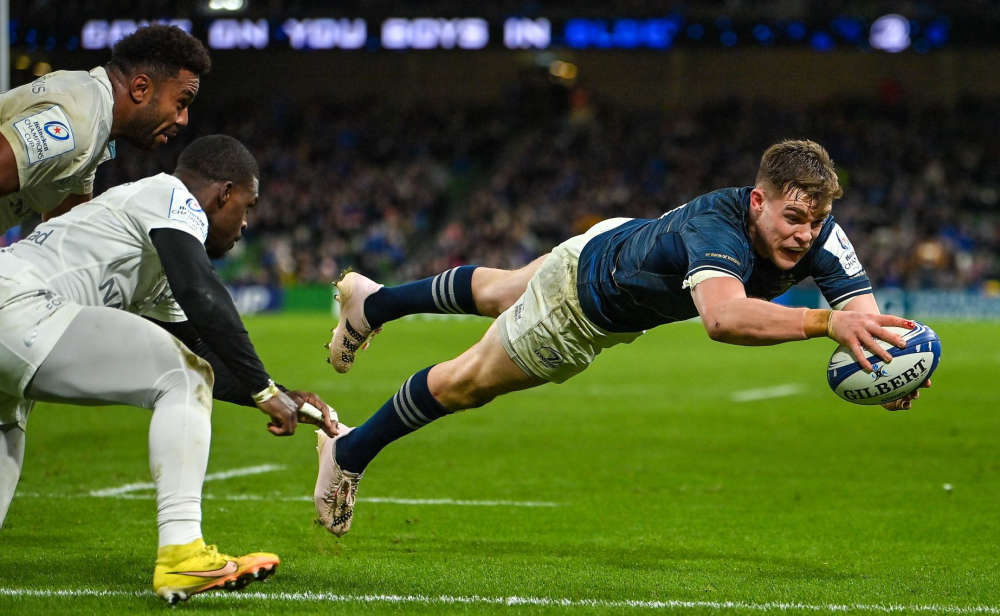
(909, 369)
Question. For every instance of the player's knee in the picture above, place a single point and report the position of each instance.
(492, 290)
(461, 389)
(197, 364)
(191, 384)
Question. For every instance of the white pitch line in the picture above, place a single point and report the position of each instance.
(764, 393)
(663, 604)
(262, 497)
(236, 472)
(392, 500)
(451, 501)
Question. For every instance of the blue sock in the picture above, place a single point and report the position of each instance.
(449, 291)
(411, 408)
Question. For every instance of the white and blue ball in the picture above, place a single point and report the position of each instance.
(909, 368)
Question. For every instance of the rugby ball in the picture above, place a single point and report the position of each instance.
(909, 368)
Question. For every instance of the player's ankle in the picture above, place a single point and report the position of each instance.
(343, 454)
(372, 315)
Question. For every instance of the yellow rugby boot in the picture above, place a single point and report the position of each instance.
(185, 570)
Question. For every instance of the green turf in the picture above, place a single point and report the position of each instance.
(666, 489)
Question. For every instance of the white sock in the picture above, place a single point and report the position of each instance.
(11, 458)
(179, 438)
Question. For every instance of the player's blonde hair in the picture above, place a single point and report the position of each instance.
(803, 165)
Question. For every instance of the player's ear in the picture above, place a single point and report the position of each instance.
(140, 88)
(225, 192)
(757, 199)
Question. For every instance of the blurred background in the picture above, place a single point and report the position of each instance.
(402, 138)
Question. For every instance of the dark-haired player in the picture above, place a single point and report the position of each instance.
(56, 130)
(720, 256)
(73, 295)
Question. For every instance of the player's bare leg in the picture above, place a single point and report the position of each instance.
(496, 290)
(472, 379)
(477, 376)
(366, 305)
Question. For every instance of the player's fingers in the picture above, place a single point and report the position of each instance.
(859, 355)
(883, 334)
(283, 427)
(330, 427)
(891, 320)
(869, 342)
(326, 423)
(926, 383)
(897, 405)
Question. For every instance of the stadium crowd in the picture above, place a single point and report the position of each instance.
(401, 194)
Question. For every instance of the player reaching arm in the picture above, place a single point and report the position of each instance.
(720, 256)
(213, 328)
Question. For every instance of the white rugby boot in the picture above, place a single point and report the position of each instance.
(352, 332)
(336, 489)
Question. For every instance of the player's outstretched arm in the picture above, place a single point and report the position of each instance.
(200, 293)
(730, 316)
(230, 389)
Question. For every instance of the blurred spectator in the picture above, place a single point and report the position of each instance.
(403, 193)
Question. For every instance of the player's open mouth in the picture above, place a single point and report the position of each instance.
(793, 253)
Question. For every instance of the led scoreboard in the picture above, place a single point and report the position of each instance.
(890, 33)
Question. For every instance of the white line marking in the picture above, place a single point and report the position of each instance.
(236, 472)
(764, 393)
(450, 501)
(392, 500)
(308, 499)
(534, 601)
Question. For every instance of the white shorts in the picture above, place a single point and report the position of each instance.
(32, 320)
(545, 332)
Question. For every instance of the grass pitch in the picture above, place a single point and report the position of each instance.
(676, 474)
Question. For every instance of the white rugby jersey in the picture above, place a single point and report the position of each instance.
(59, 127)
(100, 253)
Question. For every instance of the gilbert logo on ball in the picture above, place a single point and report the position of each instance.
(909, 368)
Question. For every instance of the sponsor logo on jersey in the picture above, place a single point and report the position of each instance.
(185, 209)
(839, 246)
(549, 356)
(45, 135)
(57, 130)
(719, 255)
(39, 237)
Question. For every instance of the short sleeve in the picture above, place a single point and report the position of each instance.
(181, 211)
(836, 268)
(48, 146)
(714, 247)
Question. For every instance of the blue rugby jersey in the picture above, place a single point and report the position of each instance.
(630, 278)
